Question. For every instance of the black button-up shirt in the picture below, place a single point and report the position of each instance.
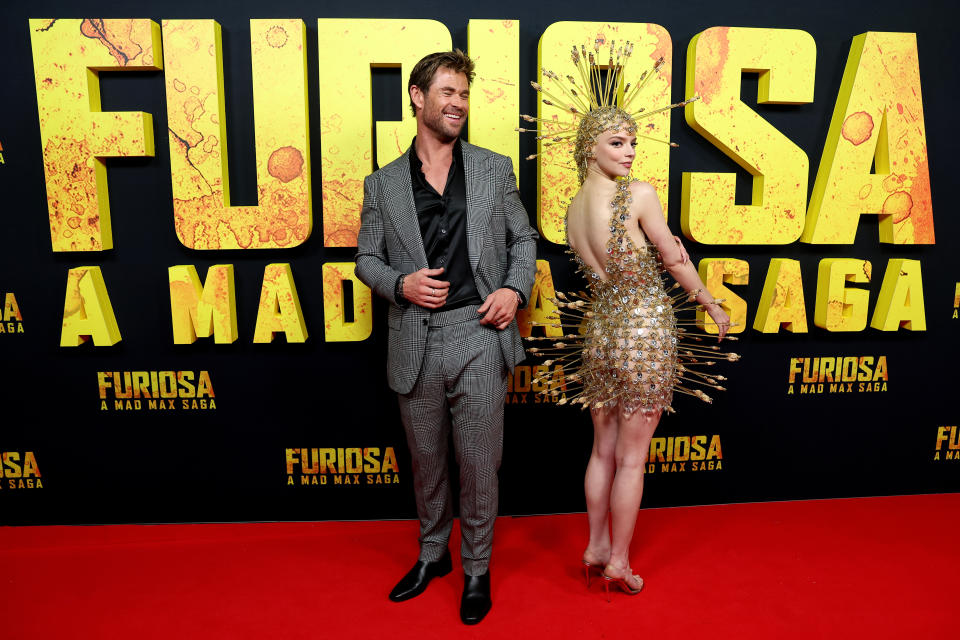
(443, 226)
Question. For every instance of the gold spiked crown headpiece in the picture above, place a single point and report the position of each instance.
(595, 103)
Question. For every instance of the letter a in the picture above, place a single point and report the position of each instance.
(87, 312)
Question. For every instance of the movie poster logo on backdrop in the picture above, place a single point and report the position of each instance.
(948, 443)
(2, 161)
(12, 318)
(875, 158)
(527, 384)
(956, 301)
(676, 454)
(19, 470)
(155, 391)
(342, 466)
(837, 374)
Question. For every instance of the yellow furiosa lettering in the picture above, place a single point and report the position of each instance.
(201, 311)
(716, 273)
(348, 49)
(11, 310)
(10, 466)
(556, 183)
(68, 56)
(900, 303)
(87, 312)
(878, 119)
(494, 46)
(30, 467)
(781, 303)
(948, 435)
(840, 308)
(197, 124)
(279, 309)
(335, 326)
(539, 307)
(389, 461)
(716, 58)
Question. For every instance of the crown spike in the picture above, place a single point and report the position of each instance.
(600, 86)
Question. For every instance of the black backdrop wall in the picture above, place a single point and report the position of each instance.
(68, 457)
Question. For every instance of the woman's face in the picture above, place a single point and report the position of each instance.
(615, 151)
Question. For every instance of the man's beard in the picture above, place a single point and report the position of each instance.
(445, 129)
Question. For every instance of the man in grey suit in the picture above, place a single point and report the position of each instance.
(445, 238)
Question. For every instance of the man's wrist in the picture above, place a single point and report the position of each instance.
(398, 296)
(521, 301)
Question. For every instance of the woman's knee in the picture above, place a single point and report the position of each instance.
(632, 458)
(633, 452)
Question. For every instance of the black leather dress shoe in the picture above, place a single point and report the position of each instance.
(476, 601)
(417, 579)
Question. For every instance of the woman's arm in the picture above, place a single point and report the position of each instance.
(650, 217)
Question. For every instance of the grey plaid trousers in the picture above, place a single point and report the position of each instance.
(461, 385)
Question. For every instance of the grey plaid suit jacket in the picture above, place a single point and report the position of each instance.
(502, 249)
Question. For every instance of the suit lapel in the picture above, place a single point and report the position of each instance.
(403, 211)
(478, 216)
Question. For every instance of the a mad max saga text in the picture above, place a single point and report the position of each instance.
(342, 466)
(685, 453)
(155, 390)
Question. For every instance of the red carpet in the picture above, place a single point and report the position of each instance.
(858, 568)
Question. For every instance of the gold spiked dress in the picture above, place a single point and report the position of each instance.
(624, 346)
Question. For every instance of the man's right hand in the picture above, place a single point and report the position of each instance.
(422, 289)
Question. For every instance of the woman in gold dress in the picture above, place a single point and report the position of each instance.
(616, 229)
(624, 343)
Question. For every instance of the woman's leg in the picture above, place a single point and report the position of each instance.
(598, 482)
(632, 448)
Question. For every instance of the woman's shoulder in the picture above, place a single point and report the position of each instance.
(641, 189)
(644, 199)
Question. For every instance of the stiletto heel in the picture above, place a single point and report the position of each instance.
(622, 583)
(589, 567)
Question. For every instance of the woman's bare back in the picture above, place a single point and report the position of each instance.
(590, 227)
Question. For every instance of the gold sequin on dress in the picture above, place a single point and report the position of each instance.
(623, 344)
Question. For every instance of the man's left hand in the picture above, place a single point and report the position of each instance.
(499, 308)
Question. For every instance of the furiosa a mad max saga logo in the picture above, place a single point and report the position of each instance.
(342, 466)
(948, 443)
(155, 390)
(685, 453)
(874, 159)
(19, 470)
(837, 374)
(528, 384)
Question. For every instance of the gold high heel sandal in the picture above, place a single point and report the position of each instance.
(622, 583)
